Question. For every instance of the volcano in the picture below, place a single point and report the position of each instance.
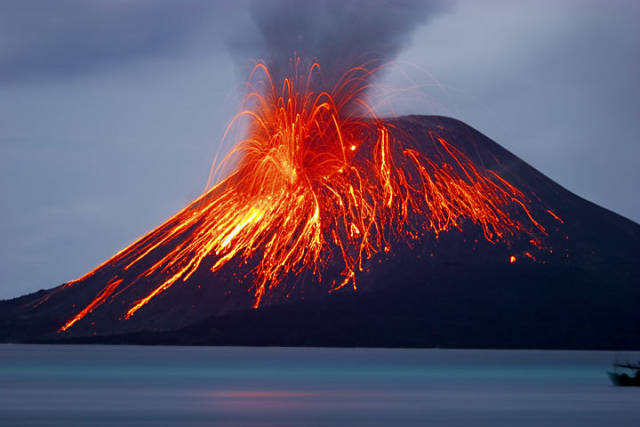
(332, 226)
(457, 290)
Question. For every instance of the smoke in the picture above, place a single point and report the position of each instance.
(339, 34)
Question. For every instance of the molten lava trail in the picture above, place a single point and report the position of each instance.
(318, 179)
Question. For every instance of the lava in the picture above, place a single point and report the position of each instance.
(317, 180)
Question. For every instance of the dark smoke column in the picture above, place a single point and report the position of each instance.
(338, 34)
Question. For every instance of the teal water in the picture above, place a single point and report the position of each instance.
(44, 385)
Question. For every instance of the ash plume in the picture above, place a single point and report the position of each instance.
(339, 34)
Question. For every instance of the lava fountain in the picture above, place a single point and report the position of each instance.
(317, 180)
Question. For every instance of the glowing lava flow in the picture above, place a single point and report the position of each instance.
(313, 183)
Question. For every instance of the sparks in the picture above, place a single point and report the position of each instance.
(312, 183)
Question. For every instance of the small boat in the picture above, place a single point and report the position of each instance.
(629, 377)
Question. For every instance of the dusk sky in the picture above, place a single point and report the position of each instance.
(112, 111)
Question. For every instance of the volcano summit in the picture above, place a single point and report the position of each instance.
(332, 226)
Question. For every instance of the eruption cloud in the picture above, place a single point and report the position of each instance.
(338, 34)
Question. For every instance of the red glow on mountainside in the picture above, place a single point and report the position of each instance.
(318, 179)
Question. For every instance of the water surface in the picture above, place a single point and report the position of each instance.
(235, 386)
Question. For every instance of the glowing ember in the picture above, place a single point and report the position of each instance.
(318, 179)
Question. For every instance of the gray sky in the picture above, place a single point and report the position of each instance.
(111, 111)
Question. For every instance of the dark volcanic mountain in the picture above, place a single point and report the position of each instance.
(580, 291)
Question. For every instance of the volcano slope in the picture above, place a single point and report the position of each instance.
(577, 289)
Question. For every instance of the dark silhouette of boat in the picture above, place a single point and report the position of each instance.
(625, 379)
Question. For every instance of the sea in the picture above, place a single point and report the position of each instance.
(99, 385)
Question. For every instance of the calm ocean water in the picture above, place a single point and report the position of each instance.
(44, 385)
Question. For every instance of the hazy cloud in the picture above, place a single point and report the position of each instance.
(40, 39)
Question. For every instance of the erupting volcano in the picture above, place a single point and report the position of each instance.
(317, 185)
(319, 194)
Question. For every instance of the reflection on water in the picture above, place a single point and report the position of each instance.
(196, 386)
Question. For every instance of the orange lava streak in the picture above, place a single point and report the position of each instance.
(102, 296)
(313, 183)
(550, 212)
